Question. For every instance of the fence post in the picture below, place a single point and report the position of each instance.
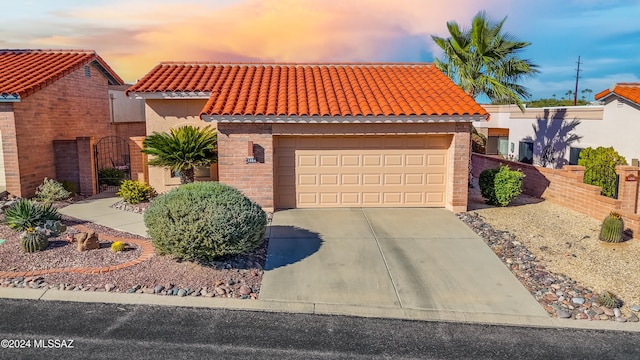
(628, 188)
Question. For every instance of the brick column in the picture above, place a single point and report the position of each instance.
(139, 169)
(628, 190)
(86, 165)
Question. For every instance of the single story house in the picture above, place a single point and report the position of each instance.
(554, 136)
(323, 135)
(54, 106)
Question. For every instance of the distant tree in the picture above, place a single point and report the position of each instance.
(484, 60)
(586, 93)
(554, 102)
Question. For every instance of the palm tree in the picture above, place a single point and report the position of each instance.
(484, 60)
(182, 150)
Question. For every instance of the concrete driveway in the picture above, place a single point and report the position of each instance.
(407, 258)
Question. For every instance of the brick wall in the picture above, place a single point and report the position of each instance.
(138, 160)
(565, 187)
(66, 161)
(72, 107)
(255, 180)
(457, 195)
(9, 146)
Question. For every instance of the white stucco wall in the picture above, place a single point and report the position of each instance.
(615, 124)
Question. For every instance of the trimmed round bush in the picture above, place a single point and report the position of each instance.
(500, 185)
(203, 221)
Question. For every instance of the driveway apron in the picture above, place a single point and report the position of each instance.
(388, 257)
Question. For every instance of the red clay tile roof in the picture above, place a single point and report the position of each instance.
(629, 91)
(23, 72)
(314, 89)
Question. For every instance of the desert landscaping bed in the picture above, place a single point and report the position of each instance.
(233, 277)
(555, 252)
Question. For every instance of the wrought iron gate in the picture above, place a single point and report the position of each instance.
(113, 163)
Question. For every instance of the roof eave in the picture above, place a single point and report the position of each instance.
(168, 95)
(391, 119)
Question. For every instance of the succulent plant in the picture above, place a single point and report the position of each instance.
(53, 227)
(612, 227)
(117, 246)
(608, 299)
(32, 241)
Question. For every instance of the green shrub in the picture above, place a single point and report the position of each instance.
(50, 191)
(25, 214)
(500, 185)
(204, 220)
(600, 168)
(70, 186)
(111, 176)
(487, 186)
(135, 192)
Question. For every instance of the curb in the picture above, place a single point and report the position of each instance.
(316, 309)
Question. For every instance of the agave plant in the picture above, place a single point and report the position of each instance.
(25, 214)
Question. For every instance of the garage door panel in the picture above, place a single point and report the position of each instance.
(368, 171)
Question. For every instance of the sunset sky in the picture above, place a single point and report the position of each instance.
(134, 35)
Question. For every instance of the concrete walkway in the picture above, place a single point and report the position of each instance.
(423, 259)
(98, 209)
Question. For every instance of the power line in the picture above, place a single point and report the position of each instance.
(575, 94)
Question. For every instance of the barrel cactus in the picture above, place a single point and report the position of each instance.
(607, 299)
(32, 241)
(117, 246)
(612, 227)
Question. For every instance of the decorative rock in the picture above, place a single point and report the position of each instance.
(621, 319)
(598, 310)
(578, 300)
(607, 311)
(158, 289)
(148, 291)
(591, 314)
(175, 291)
(563, 314)
(245, 290)
(231, 282)
(581, 316)
(87, 241)
(70, 287)
(203, 292)
(603, 317)
(633, 317)
(617, 312)
(182, 292)
(134, 289)
(220, 291)
(635, 308)
(209, 294)
(245, 297)
(109, 287)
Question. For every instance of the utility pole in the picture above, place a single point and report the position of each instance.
(575, 93)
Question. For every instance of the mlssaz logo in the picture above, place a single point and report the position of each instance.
(53, 344)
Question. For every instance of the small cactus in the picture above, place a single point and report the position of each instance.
(117, 246)
(612, 227)
(32, 241)
(607, 299)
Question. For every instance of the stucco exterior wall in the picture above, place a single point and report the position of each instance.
(161, 116)
(615, 124)
(123, 108)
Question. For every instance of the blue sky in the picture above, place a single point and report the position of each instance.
(133, 36)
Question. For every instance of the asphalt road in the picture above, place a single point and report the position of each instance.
(112, 331)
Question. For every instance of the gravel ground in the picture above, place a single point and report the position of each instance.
(234, 277)
(566, 242)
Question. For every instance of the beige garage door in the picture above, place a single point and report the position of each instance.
(365, 171)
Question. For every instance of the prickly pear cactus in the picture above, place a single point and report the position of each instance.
(612, 227)
(32, 241)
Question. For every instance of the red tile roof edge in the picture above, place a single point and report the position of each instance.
(618, 89)
(103, 67)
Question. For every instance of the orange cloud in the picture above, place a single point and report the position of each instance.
(134, 36)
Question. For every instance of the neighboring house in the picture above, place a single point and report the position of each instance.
(55, 105)
(554, 137)
(323, 135)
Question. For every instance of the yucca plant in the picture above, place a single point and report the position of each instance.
(182, 150)
(612, 227)
(25, 214)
